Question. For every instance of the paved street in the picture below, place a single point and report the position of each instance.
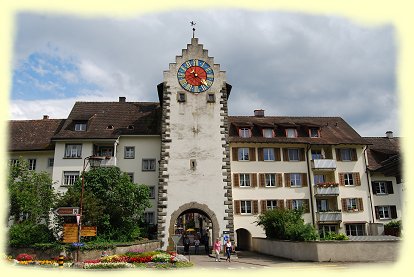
(249, 260)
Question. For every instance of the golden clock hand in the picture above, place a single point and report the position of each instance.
(203, 81)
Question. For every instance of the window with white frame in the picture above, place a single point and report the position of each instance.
(293, 154)
(14, 162)
(148, 164)
(244, 132)
(297, 204)
(270, 179)
(291, 133)
(80, 126)
(325, 229)
(322, 205)
(50, 162)
(243, 154)
(271, 204)
(32, 164)
(151, 192)
(268, 154)
(346, 154)
(245, 207)
(314, 132)
(384, 212)
(73, 150)
(149, 218)
(296, 180)
(244, 180)
(355, 229)
(348, 179)
(380, 187)
(351, 204)
(70, 177)
(318, 178)
(129, 152)
(268, 133)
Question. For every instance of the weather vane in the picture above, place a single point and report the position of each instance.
(192, 24)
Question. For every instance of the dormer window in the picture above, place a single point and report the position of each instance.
(291, 133)
(130, 127)
(268, 133)
(314, 133)
(110, 127)
(80, 126)
(245, 133)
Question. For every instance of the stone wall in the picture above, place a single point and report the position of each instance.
(333, 251)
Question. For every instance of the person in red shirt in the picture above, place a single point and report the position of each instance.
(217, 249)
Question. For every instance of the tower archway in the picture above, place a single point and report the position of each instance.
(244, 239)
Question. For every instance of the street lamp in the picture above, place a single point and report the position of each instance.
(96, 162)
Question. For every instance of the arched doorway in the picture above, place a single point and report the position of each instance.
(197, 217)
(244, 239)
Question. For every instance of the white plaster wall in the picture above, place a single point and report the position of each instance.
(195, 134)
(41, 157)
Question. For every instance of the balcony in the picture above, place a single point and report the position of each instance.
(105, 161)
(327, 189)
(323, 164)
(329, 216)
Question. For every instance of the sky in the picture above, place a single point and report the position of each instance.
(287, 63)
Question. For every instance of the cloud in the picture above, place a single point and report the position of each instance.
(286, 63)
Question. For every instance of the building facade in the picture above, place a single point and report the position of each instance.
(222, 170)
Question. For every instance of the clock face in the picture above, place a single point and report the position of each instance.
(195, 76)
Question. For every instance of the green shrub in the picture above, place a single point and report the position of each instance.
(286, 224)
(393, 224)
(27, 233)
(335, 236)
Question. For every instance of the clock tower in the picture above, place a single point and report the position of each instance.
(194, 170)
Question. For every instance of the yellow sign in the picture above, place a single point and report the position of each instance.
(70, 233)
(88, 231)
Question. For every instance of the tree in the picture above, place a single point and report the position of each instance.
(31, 194)
(286, 224)
(111, 202)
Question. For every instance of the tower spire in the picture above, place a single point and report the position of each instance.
(192, 24)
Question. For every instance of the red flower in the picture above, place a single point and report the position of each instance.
(24, 257)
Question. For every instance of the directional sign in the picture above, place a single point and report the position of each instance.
(70, 233)
(78, 244)
(176, 238)
(88, 231)
(66, 211)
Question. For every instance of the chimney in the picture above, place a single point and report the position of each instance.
(45, 116)
(259, 113)
(389, 134)
(122, 99)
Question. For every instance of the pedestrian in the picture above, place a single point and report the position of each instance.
(217, 249)
(206, 241)
(196, 244)
(186, 243)
(229, 249)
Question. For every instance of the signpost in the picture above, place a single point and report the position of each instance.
(88, 231)
(70, 232)
(66, 211)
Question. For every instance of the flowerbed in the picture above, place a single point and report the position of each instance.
(154, 259)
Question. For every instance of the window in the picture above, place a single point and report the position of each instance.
(318, 178)
(32, 164)
(151, 192)
(129, 152)
(348, 179)
(346, 154)
(131, 176)
(384, 212)
(246, 207)
(14, 162)
(382, 187)
(291, 133)
(268, 133)
(316, 154)
(70, 177)
(351, 203)
(50, 162)
(268, 154)
(106, 151)
(314, 132)
(211, 98)
(293, 154)
(355, 229)
(324, 229)
(148, 165)
(295, 180)
(243, 154)
(73, 150)
(244, 180)
(270, 180)
(297, 204)
(244, 133)
(80, 126)
(149, 218)
(271, 204)
(181, 97)
(322, 205)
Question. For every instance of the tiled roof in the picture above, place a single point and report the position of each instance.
(381, 149)
(112, 119)
(33, 135)
(333, 130)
